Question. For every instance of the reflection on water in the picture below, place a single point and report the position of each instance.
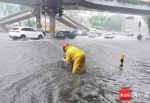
(36, 78)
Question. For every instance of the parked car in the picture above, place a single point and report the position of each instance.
(74, 31)
(92, 35)
(93, 30)
(123, 33)
(60, 35)
(70, 35)
(109, 35)
(130, 34)
(65, 34)
(84, 33)
(24, 32)
(97, 30)
(79, 32)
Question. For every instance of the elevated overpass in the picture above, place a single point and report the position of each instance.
(34, 12)
(101, 5)
(70, 22)
(19, 16)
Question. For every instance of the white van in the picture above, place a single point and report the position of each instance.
(97, 31)
(93, 30)
(109, 35)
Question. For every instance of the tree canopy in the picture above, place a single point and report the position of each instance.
(8, 8)
(32, 23)
(110, 23)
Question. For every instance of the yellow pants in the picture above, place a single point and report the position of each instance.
(79, 61)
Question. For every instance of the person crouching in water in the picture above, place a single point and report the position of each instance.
(75, 54)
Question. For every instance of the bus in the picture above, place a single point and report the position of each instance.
(97, 30)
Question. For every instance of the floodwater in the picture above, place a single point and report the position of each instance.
(29, 72)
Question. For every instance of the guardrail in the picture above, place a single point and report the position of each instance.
(135, 2)
(76, 22)
(15, 14)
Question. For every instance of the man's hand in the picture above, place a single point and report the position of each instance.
(64, 59)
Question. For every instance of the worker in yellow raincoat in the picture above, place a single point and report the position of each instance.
(75, 54)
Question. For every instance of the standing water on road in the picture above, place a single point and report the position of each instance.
(29, 71)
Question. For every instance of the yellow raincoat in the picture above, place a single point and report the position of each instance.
(73, 53)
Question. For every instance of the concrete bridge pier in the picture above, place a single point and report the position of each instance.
(52, 25)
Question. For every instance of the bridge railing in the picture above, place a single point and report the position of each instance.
(16, 14)
(135, 2)
(75, 22)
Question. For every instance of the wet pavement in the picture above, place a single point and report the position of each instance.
(29, 71)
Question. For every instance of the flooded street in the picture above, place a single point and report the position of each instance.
(29, 71)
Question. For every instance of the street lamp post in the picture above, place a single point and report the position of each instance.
(123, 23)
(45, 23)
(139, 26)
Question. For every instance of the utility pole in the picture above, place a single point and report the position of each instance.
(45, 23)
(123, 22)
(148, 24)
(51, 9)
(139, 25)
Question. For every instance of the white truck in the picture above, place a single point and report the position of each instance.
(98, 31)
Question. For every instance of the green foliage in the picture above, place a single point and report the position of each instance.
(112, 23)
(73, 14)
(7, 8)
(32, 23)
(146, 20)
(97, 20)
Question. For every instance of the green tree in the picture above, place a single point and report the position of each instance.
(32, 23)
(97, 20)
(22, 8)
(74, 14)
(7, 8)
(111, 23)
(146, 20)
